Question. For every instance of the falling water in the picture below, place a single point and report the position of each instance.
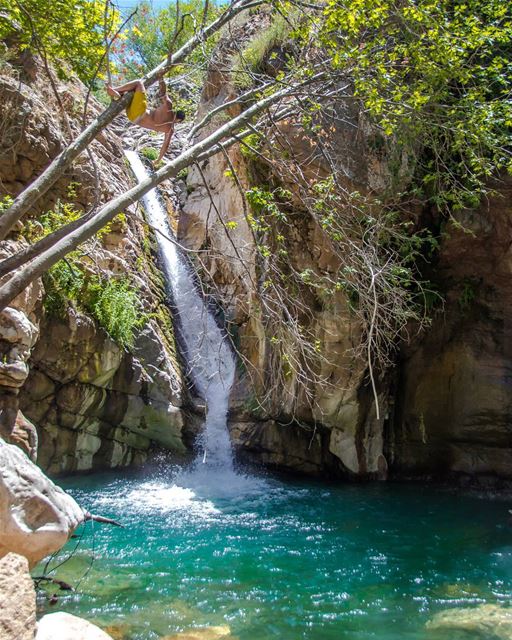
(210, 361)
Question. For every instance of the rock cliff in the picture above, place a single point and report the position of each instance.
(94, 402)
(453, 411)
(308, 426)
(444, 405)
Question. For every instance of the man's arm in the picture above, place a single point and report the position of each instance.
(162, 93)
(165, 145)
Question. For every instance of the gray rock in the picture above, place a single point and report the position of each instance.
(64, 626)
(18, 610)
(36, 516)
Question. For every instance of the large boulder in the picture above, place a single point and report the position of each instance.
(64, 626)
(487, 621)
(36, 516)
(18, 610)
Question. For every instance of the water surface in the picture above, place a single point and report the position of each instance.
(282, 559)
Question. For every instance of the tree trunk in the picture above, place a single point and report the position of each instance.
(71, 236)
(52, 173)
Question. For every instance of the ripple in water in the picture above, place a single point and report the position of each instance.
(283, 560)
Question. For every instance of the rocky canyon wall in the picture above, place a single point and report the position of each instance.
(328, 428)
(454, 402)
(445, 405)
(94, 403)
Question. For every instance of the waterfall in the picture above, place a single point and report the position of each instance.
(210, 361)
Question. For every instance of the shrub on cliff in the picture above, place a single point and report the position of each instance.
(435, 75)
(114, 303)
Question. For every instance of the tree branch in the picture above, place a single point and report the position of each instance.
(75, 236)
(42, 184)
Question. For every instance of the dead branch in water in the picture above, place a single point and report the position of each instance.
(101, 519)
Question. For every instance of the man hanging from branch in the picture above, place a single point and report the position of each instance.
(161, 119)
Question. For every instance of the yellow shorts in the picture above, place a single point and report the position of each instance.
(137, 107)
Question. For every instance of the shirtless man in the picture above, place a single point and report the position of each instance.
(161, 119)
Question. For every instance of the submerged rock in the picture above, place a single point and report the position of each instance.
(36, 516)
(64, 626)
(118, 631)
(487, 621)
(207, 633)
(18, 610)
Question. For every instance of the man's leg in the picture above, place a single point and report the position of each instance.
(116, 92)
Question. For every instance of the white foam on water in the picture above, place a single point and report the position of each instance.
(214, 483)
(211, 364)
(157, 496)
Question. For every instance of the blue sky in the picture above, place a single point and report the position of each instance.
(129, 4)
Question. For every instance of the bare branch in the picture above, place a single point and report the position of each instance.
(40, 186)
(201, 150)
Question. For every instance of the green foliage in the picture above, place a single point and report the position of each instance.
(118, 223)
(70, 33)
(112, 302)
(63, 283)
(149, 153)
(258, 52)
(251, 146)
(146, 40)
(5, 203)
(267, 212)
(63, 213)
(269, 203)
(436, 75)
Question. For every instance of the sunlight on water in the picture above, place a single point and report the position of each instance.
(282, 560)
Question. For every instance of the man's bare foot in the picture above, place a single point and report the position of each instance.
(115, 95)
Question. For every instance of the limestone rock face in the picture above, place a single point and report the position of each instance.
(275, 422)
(454, 402)
(18, 610)
(93, 403)
(36, 516)
(19, 331)
(64, 626)
(286, 447)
